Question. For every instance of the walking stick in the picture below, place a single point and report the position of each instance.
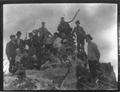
(64, 77)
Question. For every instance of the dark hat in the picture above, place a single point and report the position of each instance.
(77, 22)
(11, 36)
(62, 17)
(30, 34)
(18, 33)
(56, 33)
(34, 31)
(43, 22)
(89, 36)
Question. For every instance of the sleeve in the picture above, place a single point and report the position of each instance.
(84, 33)
(74, 30)
(59, 28)
(23, 42)
(48, 32)
(8, 50)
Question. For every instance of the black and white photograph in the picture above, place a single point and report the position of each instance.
(119, 46)
(60, 46)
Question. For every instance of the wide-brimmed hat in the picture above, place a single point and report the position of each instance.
(89, 36)
(11, 36)
(56, 33)
(43, 22)
(35, 31)
(30, 34)
(62, 17)
(77, 22)
(18, 33)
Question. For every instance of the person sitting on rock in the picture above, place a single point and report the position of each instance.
(64, 27)
(56, 43)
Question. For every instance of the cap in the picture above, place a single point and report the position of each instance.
(43, 22)
(18, 33)
(11, 36)
(30, 33)
(77, 22)
(89, 36)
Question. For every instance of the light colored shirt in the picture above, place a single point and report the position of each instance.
(18, 41)
(57, 42)
(93, 52)
(18, 58)
(48, 40)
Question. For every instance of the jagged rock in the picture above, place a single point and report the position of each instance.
(13, 83)
(108, 72)
(54, 78)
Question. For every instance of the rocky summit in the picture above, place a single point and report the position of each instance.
(60, 77)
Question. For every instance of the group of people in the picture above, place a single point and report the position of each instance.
(31, 52)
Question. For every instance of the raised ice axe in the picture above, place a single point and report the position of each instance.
(74, 16)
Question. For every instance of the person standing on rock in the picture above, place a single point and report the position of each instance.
(93, 56)
(20, 43)
(80, 33)
(11, 53)
(44, 33)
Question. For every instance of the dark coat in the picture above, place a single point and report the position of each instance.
(21, 45)
(36, 41)
(64, 28)
(31, 43)
(11, 50)
(80, 33)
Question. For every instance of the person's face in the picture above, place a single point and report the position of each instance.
(30, 36)
(62, 20)
(43, 25)
(13, 38)
(18, 36)
(87, 39)
(77, 24)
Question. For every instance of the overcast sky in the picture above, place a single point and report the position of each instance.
(100, 20)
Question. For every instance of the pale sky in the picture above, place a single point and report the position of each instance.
(100, 20)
